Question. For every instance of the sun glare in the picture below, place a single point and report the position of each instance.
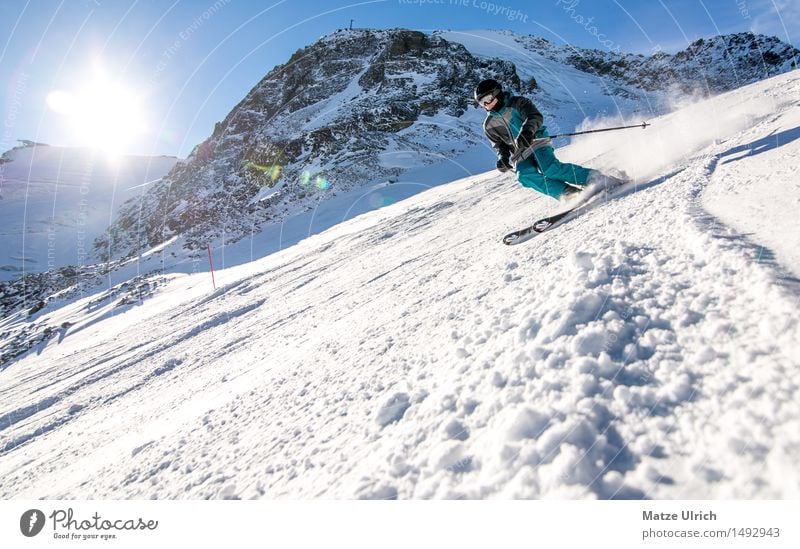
(103, 115)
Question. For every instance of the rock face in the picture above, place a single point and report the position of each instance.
(313, 126)
(710, 65)
(339, 112)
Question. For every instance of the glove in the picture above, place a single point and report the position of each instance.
(523, 140)
(503, 165)
(523, 153)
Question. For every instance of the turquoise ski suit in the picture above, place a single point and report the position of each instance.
(513, 123)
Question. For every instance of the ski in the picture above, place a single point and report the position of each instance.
(547, 223)
(540, 226)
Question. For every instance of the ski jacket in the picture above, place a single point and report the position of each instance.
(517, 117)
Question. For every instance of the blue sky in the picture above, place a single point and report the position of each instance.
(185, 63)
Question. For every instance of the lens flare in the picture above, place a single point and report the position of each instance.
(272, 172)
(275, 172)
(322, 183)
(377, 200)
(170, 136)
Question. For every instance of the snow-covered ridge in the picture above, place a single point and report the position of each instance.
(708, 65)
(646, 349)
(57, 200)
(54, 202)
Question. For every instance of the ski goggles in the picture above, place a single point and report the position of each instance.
(487, 99)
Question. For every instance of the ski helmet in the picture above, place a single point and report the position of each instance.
(487, 87)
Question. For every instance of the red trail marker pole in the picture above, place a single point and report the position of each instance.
(211, 264)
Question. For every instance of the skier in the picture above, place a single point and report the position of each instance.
(512, 124)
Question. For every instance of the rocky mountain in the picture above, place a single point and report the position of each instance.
(323, 122)
(712, 65)
(364, 105)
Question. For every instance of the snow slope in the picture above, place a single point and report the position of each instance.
(646, 349)
(764, 202)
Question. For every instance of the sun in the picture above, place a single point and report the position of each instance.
(103, 114)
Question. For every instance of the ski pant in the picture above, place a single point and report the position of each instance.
(548, 175)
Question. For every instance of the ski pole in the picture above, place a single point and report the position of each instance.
(643, 125)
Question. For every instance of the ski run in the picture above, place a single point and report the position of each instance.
(647, 349)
